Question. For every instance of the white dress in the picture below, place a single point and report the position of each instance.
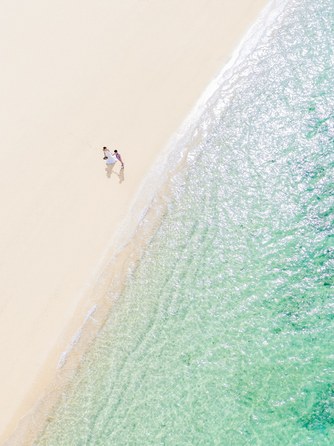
(111, 158)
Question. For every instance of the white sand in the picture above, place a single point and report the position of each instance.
(77, 75)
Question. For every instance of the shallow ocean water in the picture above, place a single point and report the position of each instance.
(224, 334)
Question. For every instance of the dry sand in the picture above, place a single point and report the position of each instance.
(77, 75)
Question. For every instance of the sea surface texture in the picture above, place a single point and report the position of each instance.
(224, 334)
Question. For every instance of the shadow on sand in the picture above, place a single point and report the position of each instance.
(110, 170)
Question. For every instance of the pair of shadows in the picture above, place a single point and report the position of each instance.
(110, 170)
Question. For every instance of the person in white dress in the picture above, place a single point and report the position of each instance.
(109, 157)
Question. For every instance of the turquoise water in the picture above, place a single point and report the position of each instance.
(224, 334)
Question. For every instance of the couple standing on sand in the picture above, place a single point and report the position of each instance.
(111, 158)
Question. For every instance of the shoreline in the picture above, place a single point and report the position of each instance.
(86, 295)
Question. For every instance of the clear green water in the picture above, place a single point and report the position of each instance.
(225, 332)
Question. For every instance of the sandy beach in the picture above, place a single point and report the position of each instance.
(77, 76)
